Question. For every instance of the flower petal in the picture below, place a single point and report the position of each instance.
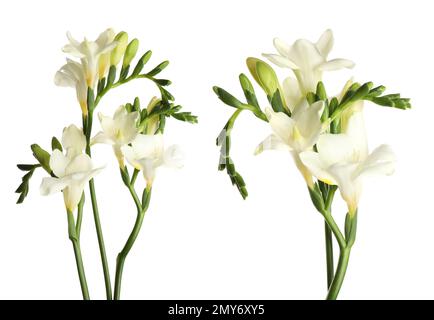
(280, 61)
(325, 43)
(281, 124)
(58, 163)
(380, 162)
(335, 148)
(148, 146)
(317, 167)
(281, 46)
(52, 185)
(336, 64)
(101, 137)
(73, 139)
(173, 157)
(291, 92)
(272, 142)
(81, 163)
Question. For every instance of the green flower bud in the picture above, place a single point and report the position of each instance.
(119, 50)
(130, 52)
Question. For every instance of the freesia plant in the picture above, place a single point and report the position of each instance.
(324, 134)
(135, 134)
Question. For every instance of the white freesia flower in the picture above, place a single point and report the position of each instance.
(343, 159)
(118, 131)
(296, 134)
(307, 60)
(147, 153)
(72, 170)
(90, 51)
(72, 75)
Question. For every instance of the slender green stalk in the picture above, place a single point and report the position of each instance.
(106, 270)
(79, 216)
(329, 238)
(340, 274)
(77, 252)
(87, 125)
(120, 261)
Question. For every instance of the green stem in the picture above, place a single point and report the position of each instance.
(77, 252)
(108, 287)
(79, 216)
(329, 238)
(120, 261)
(340, 274)
(329, 254)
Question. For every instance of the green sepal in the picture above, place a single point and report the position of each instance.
(317, 199)
(350, 228)
(125, 176)
(90, 100)
(55, 144)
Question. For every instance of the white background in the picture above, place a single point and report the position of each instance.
(200, 240)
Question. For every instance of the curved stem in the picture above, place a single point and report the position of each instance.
(77, 252)
(120, 261)
(340, 274)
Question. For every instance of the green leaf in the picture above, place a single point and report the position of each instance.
(55, 144)
(136, 104)
(42, 156)
(23, 188)
(125, 176)
(350, 228)
(163, 82)
(124, 73)
(277, 102)
(227, 98)
(158, 69)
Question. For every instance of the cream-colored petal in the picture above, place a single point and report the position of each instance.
(325, 43)
(73, 139)
(335, 149)
(291, 92)
(380, 162)
(79, 164)
(353, 125)
(281, 46)
(282, 125)
(317, 167)
(148, 146)
(173, 157)
(280, 61)
(58, 163)
(272, 142)
(52, 185)
(101, 137)
(336, 64)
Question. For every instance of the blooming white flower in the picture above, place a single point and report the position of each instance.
(147, 153)
(118, 131)
(307, 60)
(296, 134)
(90, 51)
(72, 170)
(72, 75)
(343, 159)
